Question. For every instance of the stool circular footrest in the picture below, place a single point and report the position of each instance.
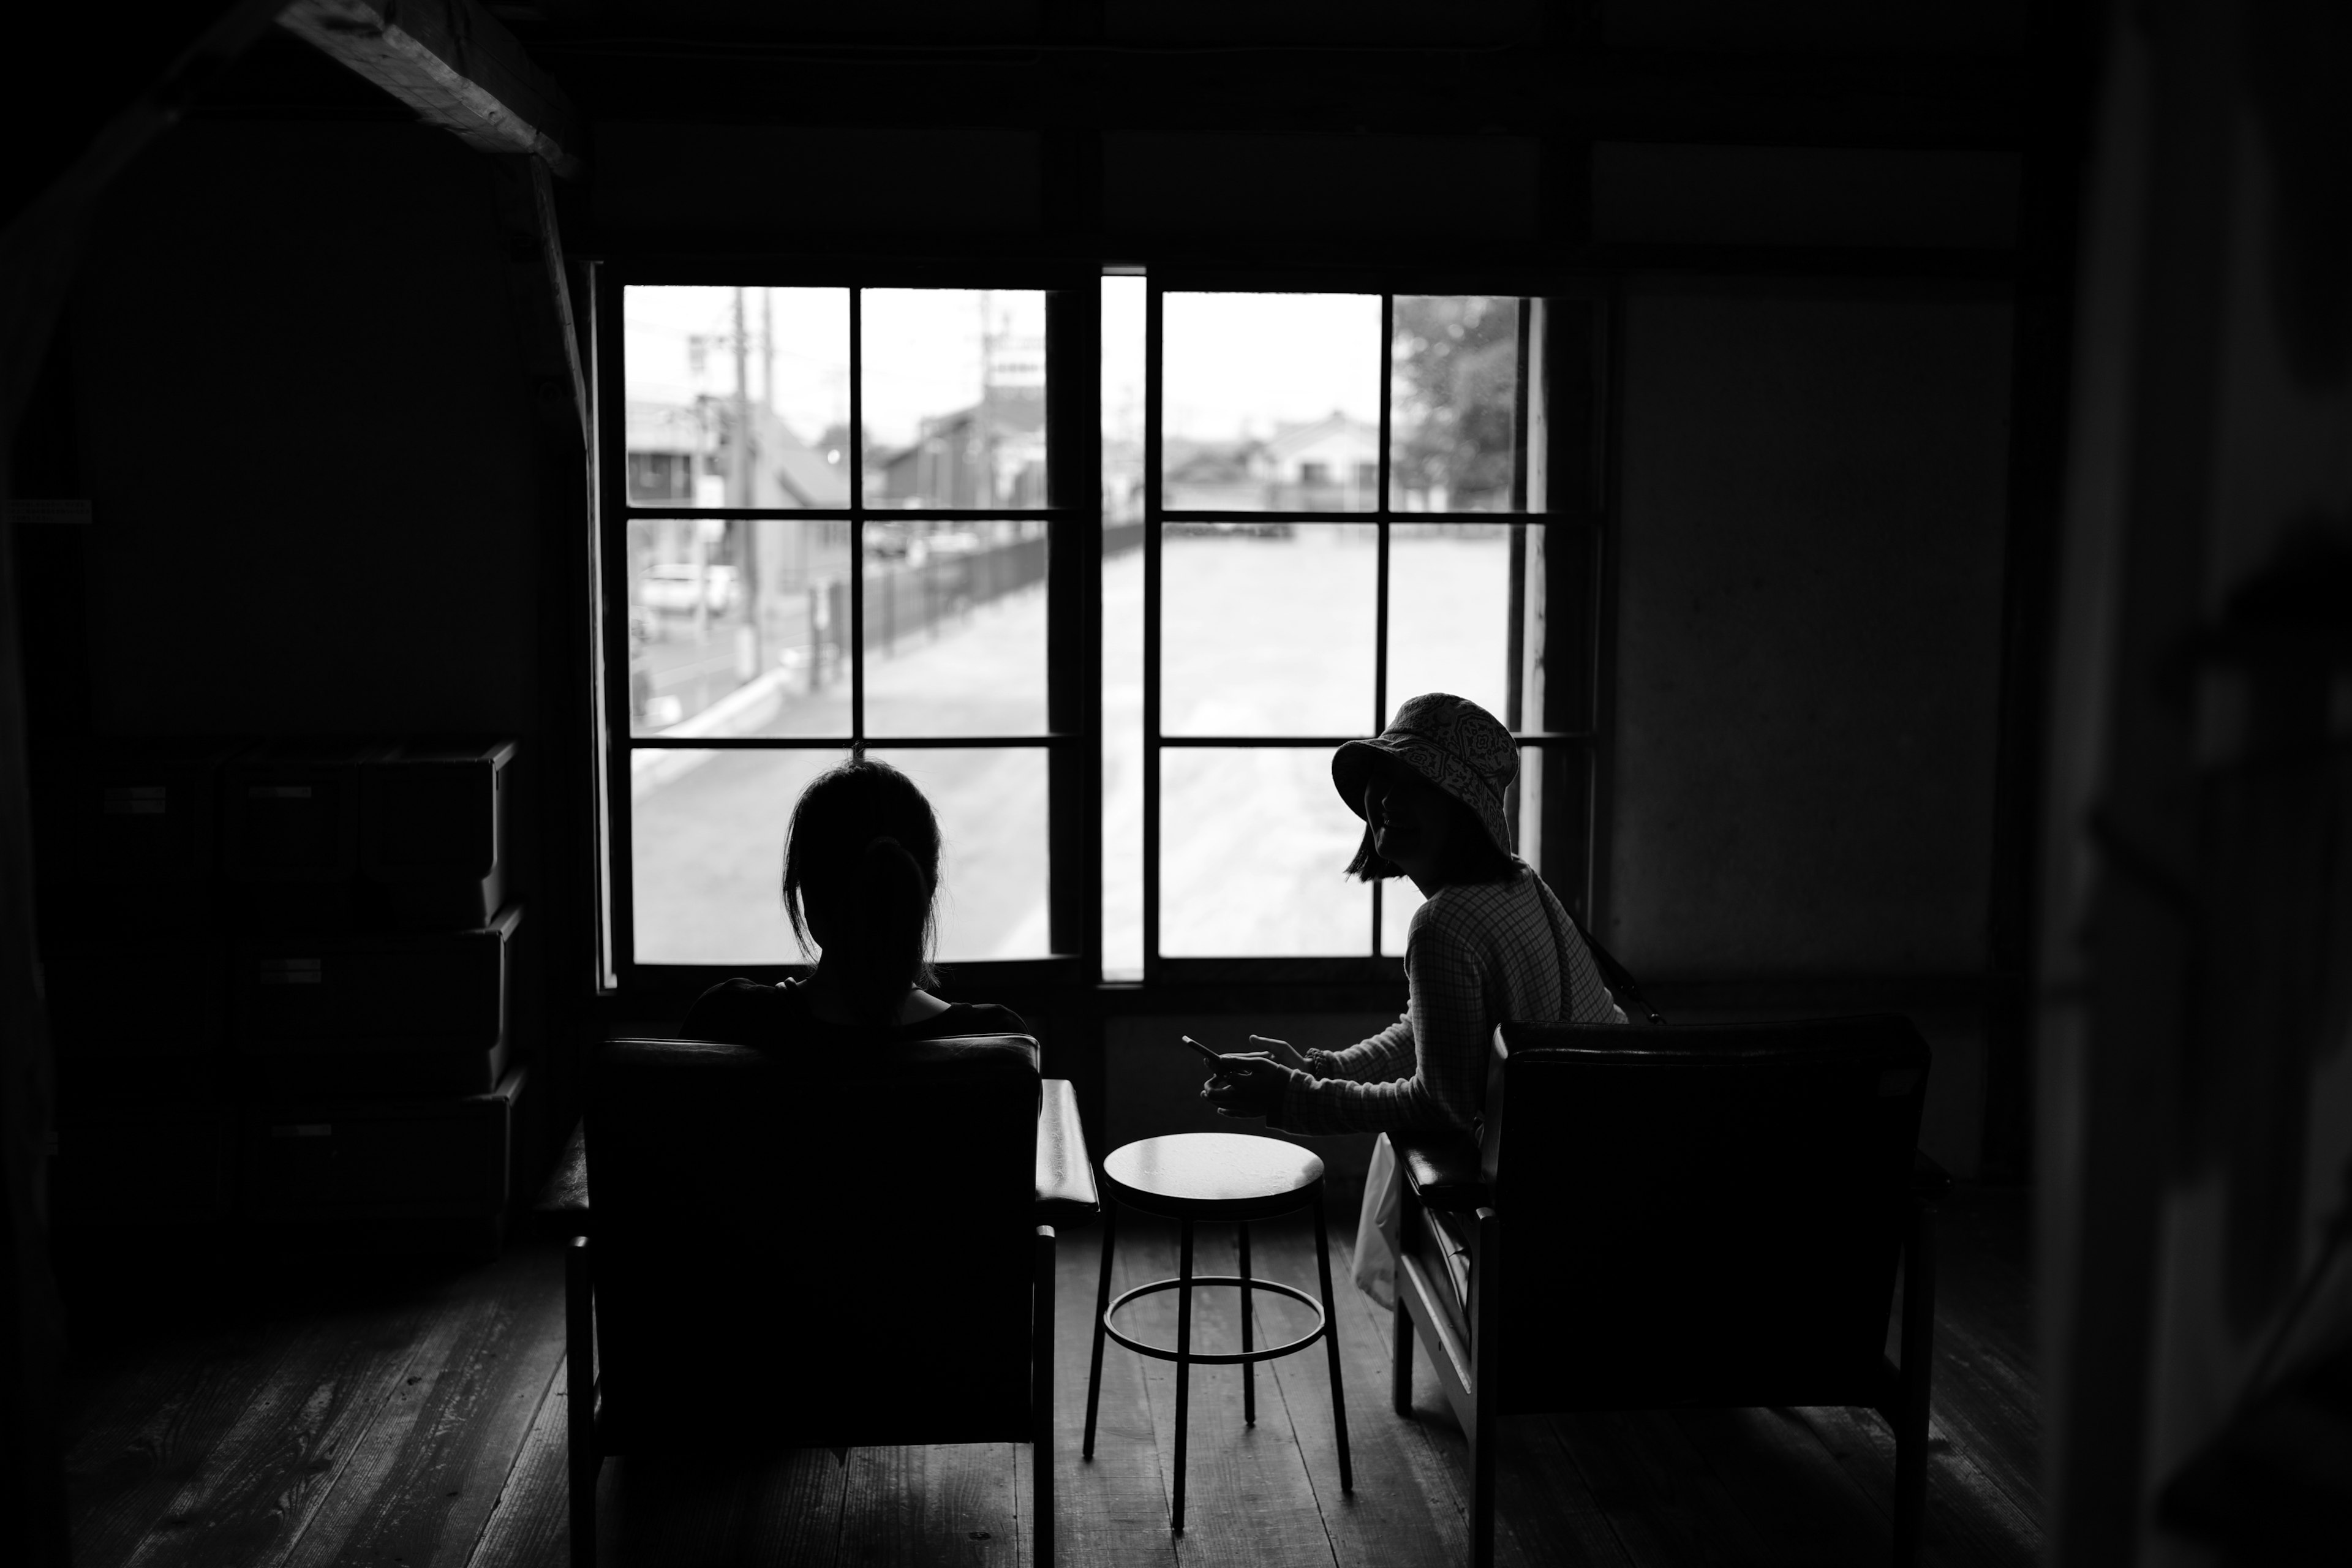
(1229, 1358)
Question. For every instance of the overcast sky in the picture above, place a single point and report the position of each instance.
(1236, 364)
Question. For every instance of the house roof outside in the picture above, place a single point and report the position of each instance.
(803, 473)
(788, 472)
(1289, 440)
(663, 427)
(1207, 462)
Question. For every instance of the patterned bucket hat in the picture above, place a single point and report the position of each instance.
(1451, 741)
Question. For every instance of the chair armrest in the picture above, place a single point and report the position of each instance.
(1066, 1175)
(1443, 1168)
(565, 1199)
(1929, 1180)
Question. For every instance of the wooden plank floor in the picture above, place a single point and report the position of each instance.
(414, 1416)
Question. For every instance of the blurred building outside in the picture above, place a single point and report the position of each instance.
(990, 454)
(736, 622)
(1330, 464)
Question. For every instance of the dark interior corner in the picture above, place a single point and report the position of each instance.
(469, 465)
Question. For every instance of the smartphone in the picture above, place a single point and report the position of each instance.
(1214, 1060)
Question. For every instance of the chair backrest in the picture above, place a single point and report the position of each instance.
(798, 1252)
(1700, 1214)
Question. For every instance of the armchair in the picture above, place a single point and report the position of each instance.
(772, 1263)
(1687, 1216)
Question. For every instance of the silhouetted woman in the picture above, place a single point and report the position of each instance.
(861, 887)
(1489, 942)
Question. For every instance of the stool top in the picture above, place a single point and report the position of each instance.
(1213, 1168)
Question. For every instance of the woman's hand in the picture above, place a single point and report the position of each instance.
(1247, 1085)
(1282, 1051)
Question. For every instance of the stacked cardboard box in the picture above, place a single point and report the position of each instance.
(134, 971)
(343, 1019)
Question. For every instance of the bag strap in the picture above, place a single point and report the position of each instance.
(1615, 975)
(1620, 980)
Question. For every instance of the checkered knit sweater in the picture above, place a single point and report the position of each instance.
(1477, 955)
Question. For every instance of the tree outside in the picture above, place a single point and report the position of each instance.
(1454, 368)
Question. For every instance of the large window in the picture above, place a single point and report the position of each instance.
(828, 521)
(831, 528)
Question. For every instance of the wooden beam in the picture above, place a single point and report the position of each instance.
(453, 64)
(540, 295)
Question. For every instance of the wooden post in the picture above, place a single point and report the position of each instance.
(1485, 1386)
(38, 252)
(1914, 1382)
(1041, 1404)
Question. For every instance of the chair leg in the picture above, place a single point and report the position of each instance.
(1487, 1383)
(1401, 1358)
(1249, 1369)
(1914, 1385)
(1331, 1343)
(1102, 1306)
(582, 1462)
(1041, 1404)
(1183, 1367)
(1401, 1329)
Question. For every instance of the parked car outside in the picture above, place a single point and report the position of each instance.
(670, 586)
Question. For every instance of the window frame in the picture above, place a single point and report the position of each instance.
(1561, 609)
(1070, 738)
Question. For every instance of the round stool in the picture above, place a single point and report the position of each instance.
(1223, 1178)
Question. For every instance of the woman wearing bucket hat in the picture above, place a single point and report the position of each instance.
(1490, 941)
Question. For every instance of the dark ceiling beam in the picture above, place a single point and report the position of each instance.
(453, 64)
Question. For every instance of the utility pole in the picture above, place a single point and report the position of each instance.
(738, 454)
(985, 489)
(738, 480)
(699, 548)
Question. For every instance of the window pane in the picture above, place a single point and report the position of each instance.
(1122, 757)
(1267, 628)
(1252, 847)
(955, 627)
(707, 852)
(1270, 401)
(990, 804)
(1399, 899)
(1527, 822)
(703, 362)
(1122, 400)
(1452, 402)
(955, 397)
(708, 847)
(1449, 613)
(738, 627)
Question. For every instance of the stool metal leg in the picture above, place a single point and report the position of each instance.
(1183, 1367)
(1102, 1305)
(1249, 1368)
(1331, 1344)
